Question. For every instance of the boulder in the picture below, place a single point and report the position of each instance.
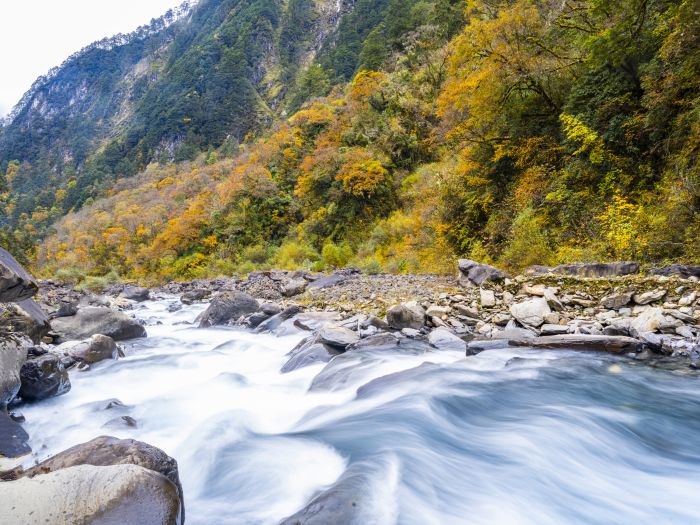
(535, 270)
(487, 298)
(616, 301)
(108, 451)
(13, 442)
(678, 270)
(337, 336)
(612, 269)
(532, 312)
(13, 354)
(294, 287)
(307, 355)
(93, 350)
(603, 343)
(277, 319)
(135, 293)
(443, 339)
(472, 273)
(338, 277)
(382, 340)
(648, 321)
(26, 318)
(193, 296)
(406, 315)
(43, 377)
(89, 494)
(226, 307)
(15, 283)
(97, 320)
(649, 297)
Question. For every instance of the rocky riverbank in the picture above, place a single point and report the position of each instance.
(49, 327)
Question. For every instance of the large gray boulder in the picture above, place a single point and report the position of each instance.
(15, 283)
(226, 307)
(93, 350)
(337, 336)
(294, 287)
(532, 312)
(110, 495)
(472, 273)
(406, 315)
(13, 439)
(108, 451)
(678, 270)
(612, 269)
(13, 354)
(25, 317)
(135, 293)
(43, 377)
(443, 339)
(97, 320)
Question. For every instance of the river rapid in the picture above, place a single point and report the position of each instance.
(506, 437)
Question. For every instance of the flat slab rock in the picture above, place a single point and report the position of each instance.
(602, 343)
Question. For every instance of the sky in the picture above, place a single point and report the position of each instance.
(36, 35)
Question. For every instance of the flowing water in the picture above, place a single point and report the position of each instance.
(510, 436)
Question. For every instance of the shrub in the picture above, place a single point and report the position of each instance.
(293, 255)
(335, 256)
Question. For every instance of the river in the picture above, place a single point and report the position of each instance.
(509, 436)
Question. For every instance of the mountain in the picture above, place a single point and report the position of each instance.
(391, 135)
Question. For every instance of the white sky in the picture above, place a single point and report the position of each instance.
(36, 35)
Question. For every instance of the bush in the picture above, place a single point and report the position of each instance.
(294, 255)
(97, 283)
(335, 256)
(528, 244)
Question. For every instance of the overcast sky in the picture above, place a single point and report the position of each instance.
(36, 35)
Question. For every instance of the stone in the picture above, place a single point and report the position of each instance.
(535, 270)
(382, 340)
(277, 319)
(135, 293)
(42, 378)
(410, 332)
(487, 298)
(467, 311)
(678, 270)
(612, 269)
(89, 494)
(536, 289)
(25, 317)
(337, 336)
(649, 297)
(307, 355)
(15, 283)
(97, 320)
(616, 301)
(437, 311)
(552, 300)
(472, 273)
(688, 299)
(532, 312)
(647, 321)
(106, 452)
(193, 296)
(552, 318)
(406, 315)
(554, 329)
(444, 339)
(227, 307)
(604, 343)
(684, 331)
(294, 287)
(13, 354)
(93, 350)
(13, 441)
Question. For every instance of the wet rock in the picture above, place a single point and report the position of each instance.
(43, 377)
(88, 494)
(406, 315)
(97, 320)
(312, 321)
(443, 339)
(174, 307)
(25, 317)
(226, 307)
(649, 297)
(277, 319)
(307, 355)
(678, 270)
(15, 283)
(616, 301)
(66, 309)
(13, 443)
(472, 273)
(553, 329)
(337, 336)
(135, 293)
(612, 269)
(93, 350)
(254, 320)
(13, 354)
(603, 343)
(294, 287)
(193, 296)
(382, 340)
(105, 452)
(532, 312)
(121, 422)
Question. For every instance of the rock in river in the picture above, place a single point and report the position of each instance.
(227, 306)
(93, 350)
(135, 293)
(443, 339)
(13, 354)
(97, 320)
(43, 377)
(337, 336)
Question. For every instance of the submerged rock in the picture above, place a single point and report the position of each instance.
(309, 354)
(97, 320)
(43, 377)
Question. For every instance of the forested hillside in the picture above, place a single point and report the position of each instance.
(519, 132)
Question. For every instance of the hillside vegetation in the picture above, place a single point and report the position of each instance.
(521, 132)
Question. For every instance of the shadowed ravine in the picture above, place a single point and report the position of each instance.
(510, 436)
